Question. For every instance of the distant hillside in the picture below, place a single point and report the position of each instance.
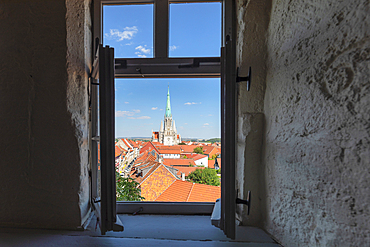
(214, 140)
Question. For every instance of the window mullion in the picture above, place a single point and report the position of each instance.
(161, 28)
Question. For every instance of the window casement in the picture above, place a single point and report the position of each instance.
(160, 66)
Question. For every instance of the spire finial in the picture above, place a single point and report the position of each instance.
(168, 105)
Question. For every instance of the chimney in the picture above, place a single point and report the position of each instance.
(183, 176)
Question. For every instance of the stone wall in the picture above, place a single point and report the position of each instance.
(317, 134)
(44, 47)
(253, 20)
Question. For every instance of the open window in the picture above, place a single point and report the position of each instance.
(103, 172)
(164, 64)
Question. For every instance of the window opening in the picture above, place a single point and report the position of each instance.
(163, 66)
(195, 29)
(154, 116)
(122, 25)
(129, 29)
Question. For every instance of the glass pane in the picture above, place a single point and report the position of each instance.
(129, 29)
(195, 30)
(165, 113)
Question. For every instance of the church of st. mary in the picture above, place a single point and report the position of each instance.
(167, 134)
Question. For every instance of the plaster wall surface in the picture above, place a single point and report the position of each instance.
(43, 109)
(252, 27)
(317, 108)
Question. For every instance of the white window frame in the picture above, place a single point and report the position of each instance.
(162, 66)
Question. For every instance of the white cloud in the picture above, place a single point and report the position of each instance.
(128, 114)
(185, 123)
(126, 102)
(124, 113)
(143, 117)
(173, 47)
(210, 115)
(190, 103)
(161, 109)
(142, 49)
(154, 108)
(205, 125)
(127, 33)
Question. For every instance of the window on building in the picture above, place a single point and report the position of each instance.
(166, 45)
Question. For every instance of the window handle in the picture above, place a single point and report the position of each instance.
(245, 202)
(248, 78)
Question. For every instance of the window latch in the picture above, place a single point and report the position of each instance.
(248, 78)
(245, 202)
(197, 61)
(96, 200)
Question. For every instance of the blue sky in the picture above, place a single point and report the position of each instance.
(195, 30)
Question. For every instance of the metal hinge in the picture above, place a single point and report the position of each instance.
(246, 202)
(248, 78)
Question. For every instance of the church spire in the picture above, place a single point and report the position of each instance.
(168, 106)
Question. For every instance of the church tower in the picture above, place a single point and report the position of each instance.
(167, 133)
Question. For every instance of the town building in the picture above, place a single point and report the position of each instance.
(169, 152)
(167, 133)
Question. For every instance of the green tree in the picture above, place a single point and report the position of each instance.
(198, 150)
(213, 157)
(182, 143)
(184, 157)
(204, 176)
(126, 189)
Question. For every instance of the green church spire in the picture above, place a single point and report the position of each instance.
(168, 105)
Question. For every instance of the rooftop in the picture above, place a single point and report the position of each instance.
(184, 191)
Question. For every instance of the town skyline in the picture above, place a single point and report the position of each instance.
(140, 106)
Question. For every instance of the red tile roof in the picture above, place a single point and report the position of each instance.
(209, 149)
(144, 157)
(169, 149)
(178, 162)
(186, 170)
(195, 156)
(157, 143)
(157, 180)
(149, 147)
(133, 144)
(187, 148)
(184, 191)
(117, 151)
(127, 143)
